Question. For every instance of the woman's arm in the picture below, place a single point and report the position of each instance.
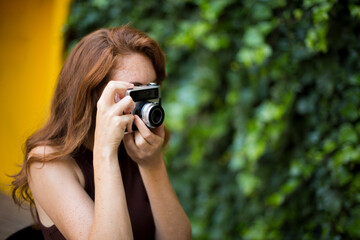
(144, 147)
(170, 219)
(57, 186)
(111, 216)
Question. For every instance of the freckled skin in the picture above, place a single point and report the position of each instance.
(135, 68)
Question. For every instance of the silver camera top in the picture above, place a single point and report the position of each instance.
(150, 93)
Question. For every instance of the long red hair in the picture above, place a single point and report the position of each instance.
(80, 84)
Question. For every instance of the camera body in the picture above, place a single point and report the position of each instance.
(147, 100)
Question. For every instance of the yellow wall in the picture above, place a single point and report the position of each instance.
(31, 43)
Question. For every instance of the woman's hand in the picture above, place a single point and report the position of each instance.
(112, 117)
(144, 146)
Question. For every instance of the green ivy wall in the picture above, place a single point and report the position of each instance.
(263, 101)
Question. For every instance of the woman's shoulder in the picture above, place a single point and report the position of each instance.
(54, 170)
(52, 183)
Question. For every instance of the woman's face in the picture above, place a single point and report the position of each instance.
(135, 68)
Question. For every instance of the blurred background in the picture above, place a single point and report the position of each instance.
(262, 99)
(31, 55)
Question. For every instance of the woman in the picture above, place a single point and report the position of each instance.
(85, 176)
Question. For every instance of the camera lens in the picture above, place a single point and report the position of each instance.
(152, 114)
(156, 116)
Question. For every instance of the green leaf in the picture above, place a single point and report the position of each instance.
(247, 183)
(354, 10)
(316, 38)
(348, 134)
(275, 199)
(261, 12)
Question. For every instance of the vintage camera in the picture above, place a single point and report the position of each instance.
(147, 100)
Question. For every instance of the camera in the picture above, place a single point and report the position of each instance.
(147, 100)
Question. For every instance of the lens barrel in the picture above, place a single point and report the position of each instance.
(152, 114)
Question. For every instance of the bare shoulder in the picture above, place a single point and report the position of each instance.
(54, 170)
(58, 192)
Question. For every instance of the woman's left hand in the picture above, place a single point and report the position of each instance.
(144, 146)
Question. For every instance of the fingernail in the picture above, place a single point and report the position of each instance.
(116, 99)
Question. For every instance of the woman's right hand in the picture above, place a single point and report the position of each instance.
(113, 117)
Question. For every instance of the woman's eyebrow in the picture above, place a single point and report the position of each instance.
(140, 84)
(137, 83)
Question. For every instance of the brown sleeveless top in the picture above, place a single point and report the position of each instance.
(141, 217)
